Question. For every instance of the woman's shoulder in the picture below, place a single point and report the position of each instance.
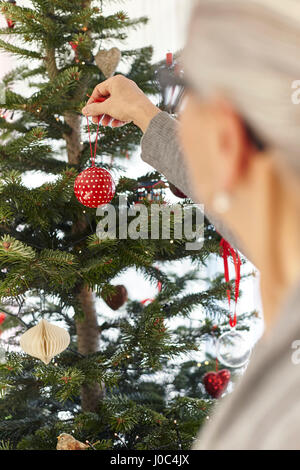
(263, 412)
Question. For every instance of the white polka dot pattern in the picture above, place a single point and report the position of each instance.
(94, 187)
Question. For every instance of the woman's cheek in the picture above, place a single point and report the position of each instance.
(194, 142)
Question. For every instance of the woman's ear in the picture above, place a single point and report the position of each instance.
(233, 146)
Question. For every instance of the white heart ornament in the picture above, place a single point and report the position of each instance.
(108, 60)
(45, 341)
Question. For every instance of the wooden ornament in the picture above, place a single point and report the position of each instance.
(108, 60)
(116, 300)
(45, 341)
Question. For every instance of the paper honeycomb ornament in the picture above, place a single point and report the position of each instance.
(45, 341)
(94, 187)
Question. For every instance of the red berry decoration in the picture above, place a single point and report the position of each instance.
(117, 299)
(2, 317)
(176, 191)
(216, 382)
(9, 21)
(94, 187)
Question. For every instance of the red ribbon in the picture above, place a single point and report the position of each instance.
(169, 58)
(143, 302)
(226, 251)
(159, 287)
(169, 63)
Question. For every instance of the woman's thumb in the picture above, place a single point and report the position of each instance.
(94, 109)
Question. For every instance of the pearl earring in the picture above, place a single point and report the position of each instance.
(221, 202)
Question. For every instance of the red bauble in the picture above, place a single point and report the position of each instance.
(94, 187)
(116, 300)
(176, 191)
(2, 317)
(216, 382)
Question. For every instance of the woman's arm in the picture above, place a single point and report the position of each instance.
(160, 145)
(161, 149)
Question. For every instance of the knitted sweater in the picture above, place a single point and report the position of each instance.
(263, 412)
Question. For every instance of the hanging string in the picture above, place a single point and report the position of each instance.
(226, 251)
(93, 155)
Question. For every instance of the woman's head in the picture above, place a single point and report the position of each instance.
(241, 60)
(240, 129)
(248, 53)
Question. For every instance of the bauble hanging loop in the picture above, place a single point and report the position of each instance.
(45, 341)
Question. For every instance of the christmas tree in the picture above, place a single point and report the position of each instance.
(104, 387)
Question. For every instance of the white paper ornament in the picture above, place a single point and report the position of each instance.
(233, 349)
(45, 341)
(108, 60)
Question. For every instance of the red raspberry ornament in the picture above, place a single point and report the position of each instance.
(2, 317)
(216, 382)
(94, 187)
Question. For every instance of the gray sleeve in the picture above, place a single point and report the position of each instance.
(161, 149)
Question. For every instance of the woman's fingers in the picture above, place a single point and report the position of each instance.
(94, 109)
(95, 118)
(106, 120)
(101, 90)
(120, 99)
(117, 123)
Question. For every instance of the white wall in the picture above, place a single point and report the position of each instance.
(166, 29)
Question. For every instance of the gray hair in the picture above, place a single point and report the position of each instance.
(249, 51)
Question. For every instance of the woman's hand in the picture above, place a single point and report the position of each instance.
(125, 103)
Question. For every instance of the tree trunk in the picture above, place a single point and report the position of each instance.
(88, 342)
(87, 329)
